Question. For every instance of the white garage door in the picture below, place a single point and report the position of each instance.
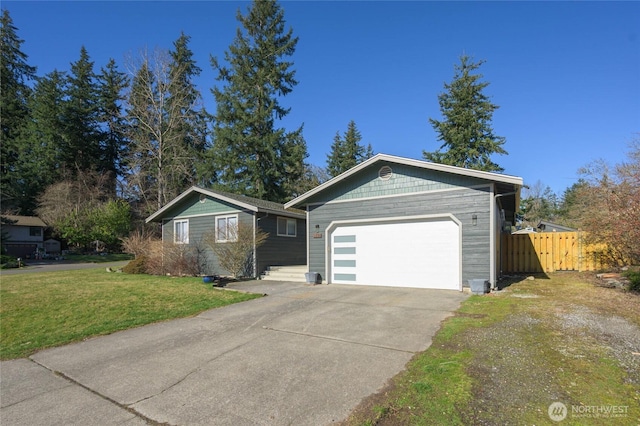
(422, 253)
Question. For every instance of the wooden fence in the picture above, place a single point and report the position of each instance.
(550, 252)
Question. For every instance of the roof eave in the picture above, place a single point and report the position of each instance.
(285, 212)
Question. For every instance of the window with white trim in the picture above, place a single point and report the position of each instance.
(226, 228)
(181, 231)
(287, 227)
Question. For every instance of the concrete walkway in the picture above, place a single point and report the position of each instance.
(304, 355)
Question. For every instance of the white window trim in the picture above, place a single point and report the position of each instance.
(175, 234)
(227, 217)
(286, 230)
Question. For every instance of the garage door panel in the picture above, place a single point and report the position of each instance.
(344, 260)
(407, 254)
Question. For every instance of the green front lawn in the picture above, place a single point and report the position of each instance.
(50, 309)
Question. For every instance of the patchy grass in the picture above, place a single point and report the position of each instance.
(50, 309)
(505, 357)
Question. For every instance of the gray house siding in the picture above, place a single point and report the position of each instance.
(199, 228)
(462, 203)
(405, 180)
(281, 250)
(201, 212)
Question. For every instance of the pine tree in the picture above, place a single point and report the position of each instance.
(348, 152)
(15, 73)
(466, 130)
(82, 150)
(37, 164)
(253, 156)
(111, 84)
(191, 125)
(334, 159)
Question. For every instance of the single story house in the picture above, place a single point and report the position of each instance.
(189, 217)
(24, 235)
(394, 221)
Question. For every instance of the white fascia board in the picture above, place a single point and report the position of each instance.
(495, 177)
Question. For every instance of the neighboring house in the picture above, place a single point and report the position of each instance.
(546, 226)
(25, 235)
(199, 212)
(395, 221)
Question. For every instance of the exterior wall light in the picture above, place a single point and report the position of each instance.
(474, 220)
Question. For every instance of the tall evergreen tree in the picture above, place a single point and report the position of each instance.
(192, 124)
(111, 86)
(15, 74)
(37, 164)
(82, 150)
(253, 156)
(348, 152)
(466, 130)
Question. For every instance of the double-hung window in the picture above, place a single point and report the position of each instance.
(226, 229)
(287, 227)
(181, 231)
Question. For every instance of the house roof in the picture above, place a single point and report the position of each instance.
(24, 220)
(550, 226)
(249, 203)
(508, 182)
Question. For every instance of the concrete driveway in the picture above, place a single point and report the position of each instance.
(303, 355)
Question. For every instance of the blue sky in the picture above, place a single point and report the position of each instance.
(566, 75)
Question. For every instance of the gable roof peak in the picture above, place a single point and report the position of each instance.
(243, 201)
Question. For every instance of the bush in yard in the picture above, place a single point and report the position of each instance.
(634, 280)
(138, 243)
(175, 259)
(136, 266)
(235, 250)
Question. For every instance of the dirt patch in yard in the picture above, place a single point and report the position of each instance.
(562, 339)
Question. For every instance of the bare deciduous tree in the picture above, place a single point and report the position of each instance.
(86, 190)
(610, 205)
(160, 106)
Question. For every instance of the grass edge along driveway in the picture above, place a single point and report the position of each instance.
(504, 358)
(44, 310)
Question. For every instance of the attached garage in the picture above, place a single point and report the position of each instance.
(399, 222)
(422, 252)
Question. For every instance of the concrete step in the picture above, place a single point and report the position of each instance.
(285, 273)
